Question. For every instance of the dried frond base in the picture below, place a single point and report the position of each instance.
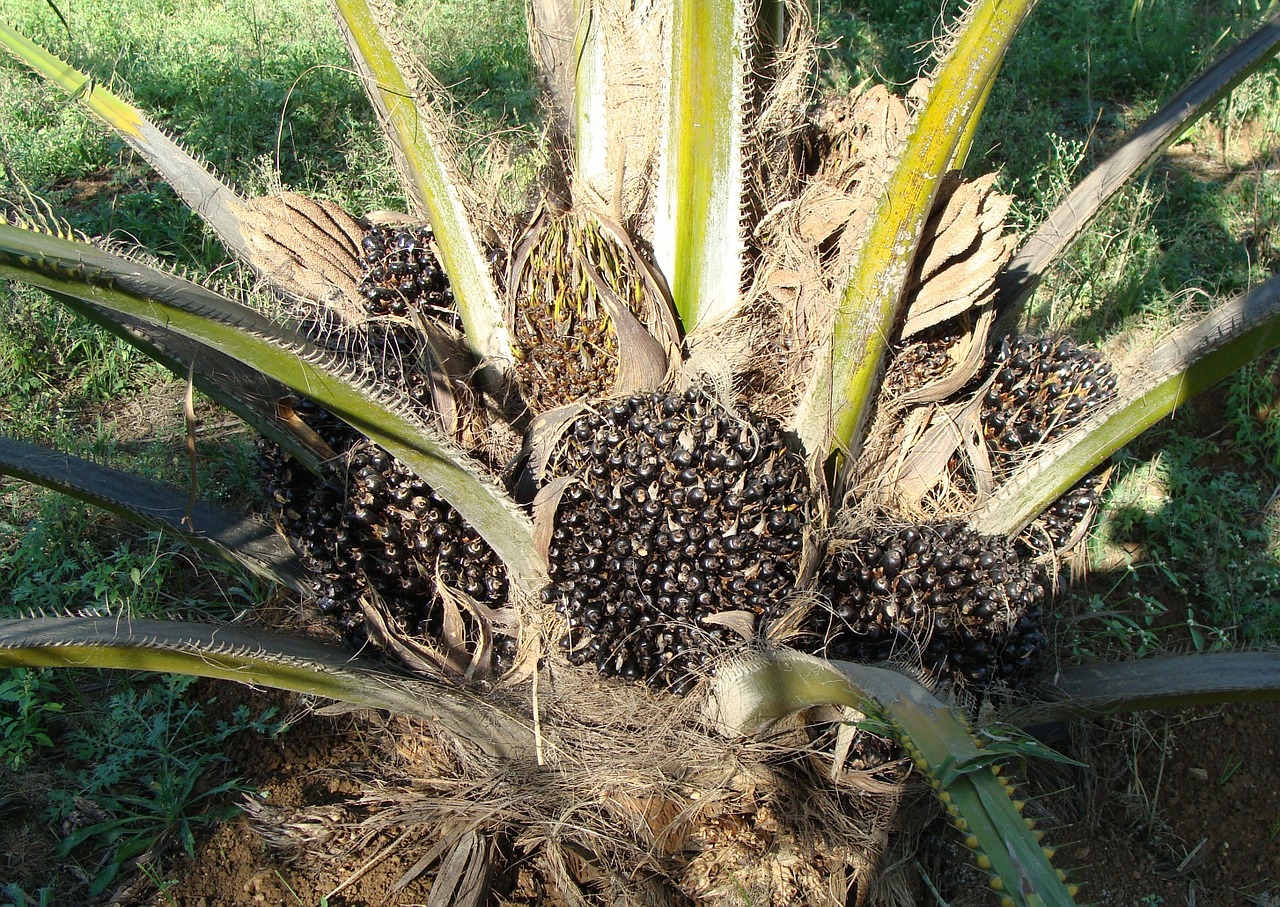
(635, 803)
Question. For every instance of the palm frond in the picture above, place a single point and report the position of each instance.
(430, 181)
(1072, 216)
(843, 387)
(195, 184)
(376, 411)
(258, 658)
(248, 542)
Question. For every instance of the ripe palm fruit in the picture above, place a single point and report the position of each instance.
(923, 359)
(680, 521)
(309, 512)
(375, 527)
(961, 605)
(1041, 389)
(401, 272)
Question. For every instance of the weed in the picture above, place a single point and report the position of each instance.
(1229, 770)
(152, 772)
(25, 710)
(17, 897)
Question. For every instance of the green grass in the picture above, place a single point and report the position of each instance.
(144, 775)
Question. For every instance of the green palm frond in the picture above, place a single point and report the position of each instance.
(249, 542)
(86, 272)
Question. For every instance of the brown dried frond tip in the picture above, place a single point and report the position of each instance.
(963, 248)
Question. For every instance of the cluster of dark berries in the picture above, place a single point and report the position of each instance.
(962, 605)
(401, 271)
(1054, 529)
(409, 541)
(925, 358)
(310, 513)
(679, 511)
(376, 527)
(1041, 389)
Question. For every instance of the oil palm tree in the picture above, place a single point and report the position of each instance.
(737, 385)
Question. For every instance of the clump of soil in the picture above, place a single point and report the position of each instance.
(1176, 809)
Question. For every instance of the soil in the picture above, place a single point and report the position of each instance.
(1199, 823)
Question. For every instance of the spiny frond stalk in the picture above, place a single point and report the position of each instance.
(1073, 215)
(843, 389)
(431, 185)
(247, 542)
(757, 689)
(380, 414)
(258, 658)
(202, 192)
(1190, 360)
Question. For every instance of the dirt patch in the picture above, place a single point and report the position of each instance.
(1199, 821)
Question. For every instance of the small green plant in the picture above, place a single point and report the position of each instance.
(152, 773)
(1229, 770)
(25, 711)
(17, 897)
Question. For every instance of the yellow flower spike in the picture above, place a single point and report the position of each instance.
(971, 842)
(996, 883)
(983, 861)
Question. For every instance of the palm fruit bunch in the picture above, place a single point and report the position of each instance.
(310, 513)
(374, 527)
(923, 359)
(963, 606)
(566, 340)
(408, 542)
(401, 272)
(370, 528)
(1040, 389)
(679, 530)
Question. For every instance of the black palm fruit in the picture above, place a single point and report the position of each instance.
(402, 272)
(679, 511)
(924, 358)
(374, 526)
(1040, 390)
(962, 606)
